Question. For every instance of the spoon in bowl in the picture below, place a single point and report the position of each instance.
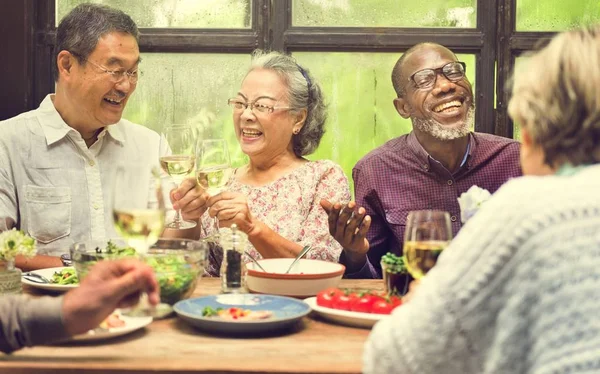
(300, 255)
(255, 261)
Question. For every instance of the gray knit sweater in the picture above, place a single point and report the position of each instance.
(27, 321)
(517, 291)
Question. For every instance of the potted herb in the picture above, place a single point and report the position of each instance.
(395, 275)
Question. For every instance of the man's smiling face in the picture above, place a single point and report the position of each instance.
(446, 109)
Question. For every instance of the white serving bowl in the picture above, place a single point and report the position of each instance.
(306, 278)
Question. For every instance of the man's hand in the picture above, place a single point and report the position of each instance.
(190, 198)
(348, 224)
(108, 285)
(230, 208)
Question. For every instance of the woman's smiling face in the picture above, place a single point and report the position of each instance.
(263, 133)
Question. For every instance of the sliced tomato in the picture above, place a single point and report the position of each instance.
(325, 297)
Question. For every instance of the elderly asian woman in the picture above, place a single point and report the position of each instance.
(279, 117)
(517, 289)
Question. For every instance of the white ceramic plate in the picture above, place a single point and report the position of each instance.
(344, 317)
(48, 286)
(131, 324)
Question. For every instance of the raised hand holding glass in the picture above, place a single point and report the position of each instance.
(179, 143)
(213, 167)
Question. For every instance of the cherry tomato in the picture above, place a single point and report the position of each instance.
(325, 297)
(343, 301)
(364, 304)
(382, 306)
(395, 301)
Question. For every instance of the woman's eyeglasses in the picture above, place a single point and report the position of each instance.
(239, 106)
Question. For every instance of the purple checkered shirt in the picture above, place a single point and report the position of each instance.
(400, 176)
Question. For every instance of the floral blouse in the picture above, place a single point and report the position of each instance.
(291, 207)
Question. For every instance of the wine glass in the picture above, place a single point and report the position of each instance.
(178, 141)
(213, 168)
(427, 233)
(138, 205)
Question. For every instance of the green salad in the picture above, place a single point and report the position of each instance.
(176, 276)
(65, 277)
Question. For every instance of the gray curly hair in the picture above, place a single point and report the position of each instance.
(559, 105)
(303, 92)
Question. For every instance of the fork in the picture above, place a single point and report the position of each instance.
(36, 278)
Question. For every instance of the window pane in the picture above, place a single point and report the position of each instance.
(556, 15)
(189, 88)
(516, 126)
(385, 13)
(175, 13)
(359, 91)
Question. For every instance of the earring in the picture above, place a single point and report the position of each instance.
(296, 131)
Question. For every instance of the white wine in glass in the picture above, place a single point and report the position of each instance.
(213, 167)
(178, 142)
(138, 205)
(428, 232)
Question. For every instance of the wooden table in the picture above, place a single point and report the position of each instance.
(172, 346)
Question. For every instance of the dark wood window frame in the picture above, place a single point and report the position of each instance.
(494, 42)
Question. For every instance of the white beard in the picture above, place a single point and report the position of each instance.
(441, 132)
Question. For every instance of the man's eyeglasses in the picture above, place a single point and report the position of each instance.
(239, 106)
(426, 78)
(116, 76)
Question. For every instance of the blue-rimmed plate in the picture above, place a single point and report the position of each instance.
(286, 312)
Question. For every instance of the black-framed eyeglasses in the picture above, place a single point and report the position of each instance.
(426, 78)
(239, 106)
(115, 76)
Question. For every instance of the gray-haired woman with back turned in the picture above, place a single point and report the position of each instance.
(517, 290)
(279, 117)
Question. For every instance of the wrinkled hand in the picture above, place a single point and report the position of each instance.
(230, 208)
(348, 224)
(190, 198)
(108, 285)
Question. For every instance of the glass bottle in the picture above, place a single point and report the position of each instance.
(233, 268)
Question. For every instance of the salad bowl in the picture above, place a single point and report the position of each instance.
(177, 263)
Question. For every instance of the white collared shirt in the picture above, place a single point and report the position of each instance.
(53, 186)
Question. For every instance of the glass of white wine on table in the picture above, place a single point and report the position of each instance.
(427, 233)
(213, 168)
(139, 218)
(179, 142)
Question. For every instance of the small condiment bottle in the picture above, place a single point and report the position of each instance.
(233, 268)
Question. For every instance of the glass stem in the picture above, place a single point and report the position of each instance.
(177, 218)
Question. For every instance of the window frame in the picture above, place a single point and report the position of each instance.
(494, 42)
(510, 45)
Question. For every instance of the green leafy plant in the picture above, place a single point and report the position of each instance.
(15, 242)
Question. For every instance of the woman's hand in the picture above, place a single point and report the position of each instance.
(190, 198)
(230, 208)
